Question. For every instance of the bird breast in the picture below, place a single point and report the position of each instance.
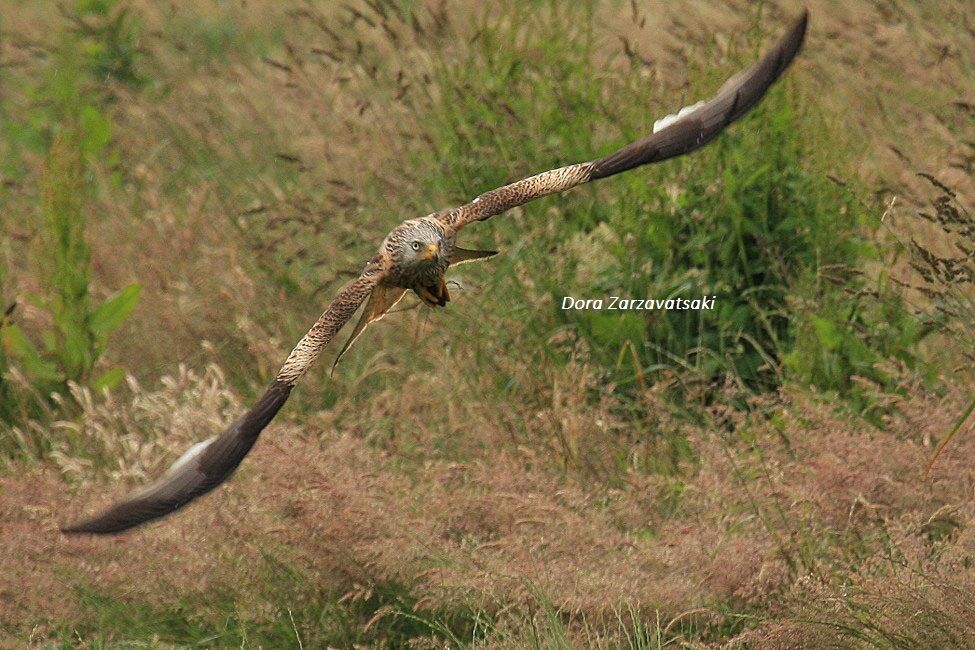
(420, 273)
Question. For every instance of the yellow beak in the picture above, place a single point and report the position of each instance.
(429, 252)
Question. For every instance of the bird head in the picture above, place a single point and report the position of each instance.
(419, 244)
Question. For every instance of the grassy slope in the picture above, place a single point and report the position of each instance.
(531, 505)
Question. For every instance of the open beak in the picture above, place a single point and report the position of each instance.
(429, 252)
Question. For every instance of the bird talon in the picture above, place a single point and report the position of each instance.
(428, 296)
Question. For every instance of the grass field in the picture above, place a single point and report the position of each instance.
(184, 187)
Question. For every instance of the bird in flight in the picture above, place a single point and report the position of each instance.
(415, 256)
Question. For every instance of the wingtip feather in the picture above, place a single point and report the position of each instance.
(199, 470)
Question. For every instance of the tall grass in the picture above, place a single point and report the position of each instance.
(521, 440)
(70, 329)
(945, 267)
(380, 616)
(67, 349)
(946, 282)
(752, 219)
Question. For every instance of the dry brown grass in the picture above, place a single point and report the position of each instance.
(757, 521)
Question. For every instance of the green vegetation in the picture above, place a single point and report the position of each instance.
(80, 331)
(753, 219)
(334, 622)
(69, 344)
(379, 617)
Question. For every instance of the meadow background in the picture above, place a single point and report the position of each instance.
(184, 186)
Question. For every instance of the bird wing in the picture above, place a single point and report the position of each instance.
(207, 464)
(460, 255)
(381, 300)
(384, 298)
(690, 128)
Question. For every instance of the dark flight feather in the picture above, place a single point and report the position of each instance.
(696, 128)
(202, 468)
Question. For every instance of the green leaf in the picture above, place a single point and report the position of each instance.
(113, 312)
(108, 380)
(17, 344)
(20, 347)
(75, 352)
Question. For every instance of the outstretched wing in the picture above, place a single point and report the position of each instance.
(209, 463)
(674, 135)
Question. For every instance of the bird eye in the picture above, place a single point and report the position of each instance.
(416, 245)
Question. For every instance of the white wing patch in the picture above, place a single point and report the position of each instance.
(664, 122)
(189, 455)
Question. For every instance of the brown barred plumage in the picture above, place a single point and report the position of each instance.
(338, 313)
(528, 189)
(415, 256)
